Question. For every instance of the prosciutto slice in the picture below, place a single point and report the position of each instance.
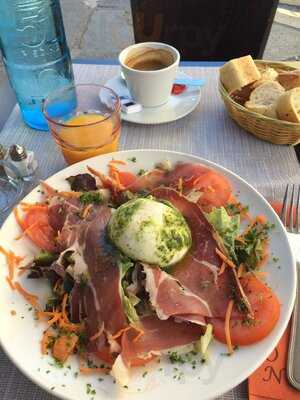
(170, 299)
(103, 272)
(95, 267)
(197, 270)
(158, 336)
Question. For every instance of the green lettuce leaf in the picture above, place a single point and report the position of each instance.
(201, 346)
(227, 227)
(124, 264)
(129, 309)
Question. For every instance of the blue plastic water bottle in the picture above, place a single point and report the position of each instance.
(35, 53)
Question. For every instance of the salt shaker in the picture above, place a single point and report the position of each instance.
(24, 161)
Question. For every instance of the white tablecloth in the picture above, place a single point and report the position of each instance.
(207, 132)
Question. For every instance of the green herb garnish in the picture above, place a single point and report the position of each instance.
(141, 172)
(90, 198)
(132, 159)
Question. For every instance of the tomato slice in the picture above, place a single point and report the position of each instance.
(266, 309)
(126, 178)
(38, 229)
(216, 189)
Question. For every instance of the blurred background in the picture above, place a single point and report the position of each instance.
(89, 24)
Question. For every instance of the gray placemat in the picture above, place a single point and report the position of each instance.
(207, 132)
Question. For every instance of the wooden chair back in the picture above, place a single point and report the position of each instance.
(209, 30)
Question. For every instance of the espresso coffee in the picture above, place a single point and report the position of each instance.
(149, 59)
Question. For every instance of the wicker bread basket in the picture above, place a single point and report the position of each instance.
(266, 128)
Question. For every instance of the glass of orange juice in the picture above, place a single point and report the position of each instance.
(84, 120)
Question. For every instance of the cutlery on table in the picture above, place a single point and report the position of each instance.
(290, 219)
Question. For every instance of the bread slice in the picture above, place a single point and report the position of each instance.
(288, 106)
(264, 96)
(290, 79)
(268, 74)
(268, 111)
(239, 72)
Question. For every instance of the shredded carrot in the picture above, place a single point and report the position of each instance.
(69, 326)
(96, 336)
(68, 195)
(12, 261)
(121, 331)
(227, 326)
(10, 282)
(139, 335)
(19, 220)
(55, 316)
(117, 178)
(222, 269)
(180, 185)
(31, 298)
(3, 251)
(225, 259)
(86, 210)
(261, 274)
(121, 162)
(261, 219)
(106, 180)
(101, 176)
(87, 371)
(46, 340)
(18, 259)
(11, 265)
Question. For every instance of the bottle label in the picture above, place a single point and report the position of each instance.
(37, 29)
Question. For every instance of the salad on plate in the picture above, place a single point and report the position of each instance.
(145, 264)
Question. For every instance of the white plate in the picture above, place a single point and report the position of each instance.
(177, 107)
(20, 334)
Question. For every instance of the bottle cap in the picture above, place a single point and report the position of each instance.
(17, 152)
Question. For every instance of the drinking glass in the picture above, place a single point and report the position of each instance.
(91, 126)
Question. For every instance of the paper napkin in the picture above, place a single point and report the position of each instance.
(269, 381)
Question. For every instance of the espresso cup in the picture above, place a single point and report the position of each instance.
(149, 70)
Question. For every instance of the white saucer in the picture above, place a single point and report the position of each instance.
(177, 107)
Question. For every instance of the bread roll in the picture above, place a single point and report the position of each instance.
(263, 99)
(268, 111)
(288, 106)
(239, 72)
(268, 74)
(290, 79)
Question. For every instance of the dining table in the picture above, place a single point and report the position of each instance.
(207, 132)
